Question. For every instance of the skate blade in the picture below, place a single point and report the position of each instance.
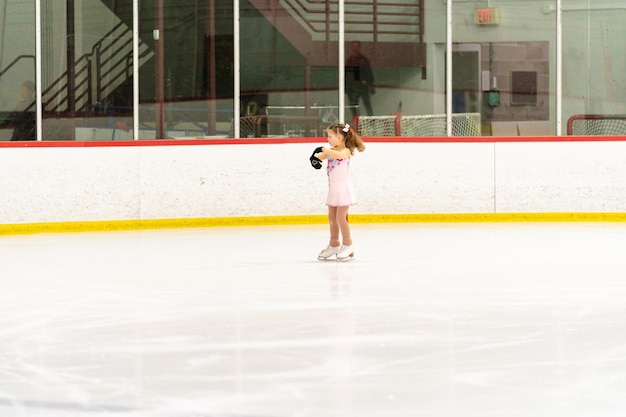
(333, 258)
(349, 258)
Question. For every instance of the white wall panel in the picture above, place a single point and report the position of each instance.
(561, 177)
(424, 178)
(68, 184)
(230, 180)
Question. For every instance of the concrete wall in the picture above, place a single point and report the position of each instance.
(140, 181)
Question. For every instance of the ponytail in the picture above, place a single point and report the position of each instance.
(351, 139)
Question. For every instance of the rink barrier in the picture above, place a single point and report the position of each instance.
(155, 184)
(258, 221)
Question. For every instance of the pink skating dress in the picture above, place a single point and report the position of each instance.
(340, 192)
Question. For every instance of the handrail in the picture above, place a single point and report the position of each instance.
(315, 14)
(84, 67)
(15, 61)
(11, 64)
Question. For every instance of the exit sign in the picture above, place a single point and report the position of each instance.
(490, 16)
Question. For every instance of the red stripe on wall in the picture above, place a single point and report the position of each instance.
(266, 141)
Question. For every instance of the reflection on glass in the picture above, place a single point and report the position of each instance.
(290, 66)
(17, 71)
(186, 81)
(504, 68)
(87, 71)
(594, 85)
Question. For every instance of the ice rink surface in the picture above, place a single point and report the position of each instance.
(433, 320)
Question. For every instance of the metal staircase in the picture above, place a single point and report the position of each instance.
(96, 74)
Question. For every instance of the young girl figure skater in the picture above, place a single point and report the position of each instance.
(343, 141)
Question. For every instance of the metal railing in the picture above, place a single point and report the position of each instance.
(108, 60)
(374, 17)
(12, 65)
(15, 61)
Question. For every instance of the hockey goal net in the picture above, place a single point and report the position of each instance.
(377, 125)
(278, 126)
(597, 125)
(463, 124)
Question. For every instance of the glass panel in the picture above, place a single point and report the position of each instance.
(290, 66)
(594, 90)
(504, 69)
(289, 73)
(17, 71)
(185, 66)
(503, 72)
(87, 70)
(186, 73)
(408, 86)
(393, 38)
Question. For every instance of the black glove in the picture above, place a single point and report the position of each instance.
(315, 162)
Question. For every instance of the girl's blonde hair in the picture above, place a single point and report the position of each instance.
(351, 139)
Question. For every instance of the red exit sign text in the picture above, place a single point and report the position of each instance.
(488, 16)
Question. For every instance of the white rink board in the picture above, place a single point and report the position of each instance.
(428, 178)
(60, 184)
(561, 177)
(69, 184)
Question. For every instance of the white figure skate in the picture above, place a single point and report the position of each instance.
(328, 252)
(346, 253)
